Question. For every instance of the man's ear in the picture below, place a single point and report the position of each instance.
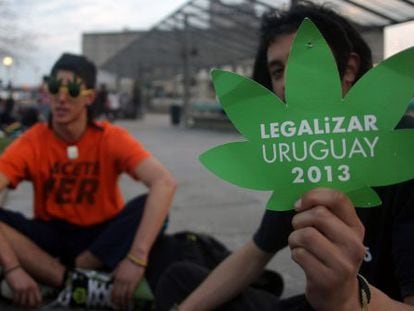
(351, 72)
(91, 97)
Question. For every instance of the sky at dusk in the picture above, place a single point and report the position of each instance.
(53, 27)
(50, 27)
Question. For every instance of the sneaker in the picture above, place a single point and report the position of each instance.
(90, 289)
(86, 289)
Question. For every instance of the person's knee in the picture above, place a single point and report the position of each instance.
(2, 226)
(87, 260)
(7, 230)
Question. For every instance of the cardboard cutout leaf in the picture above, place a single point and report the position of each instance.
(312, 77)
(365, 197)
(243, 101)
(317, 139)
(249, 172)
(388, 88)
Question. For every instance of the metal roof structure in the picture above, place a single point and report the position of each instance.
(206, 33)
(203, 34)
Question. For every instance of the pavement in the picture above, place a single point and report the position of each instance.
(203, 202)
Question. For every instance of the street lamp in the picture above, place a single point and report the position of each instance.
(8, 62)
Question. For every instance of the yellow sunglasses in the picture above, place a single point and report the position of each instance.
(73, 88)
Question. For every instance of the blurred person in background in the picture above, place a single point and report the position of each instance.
(100, 104)
(114, 105)
(43, 102)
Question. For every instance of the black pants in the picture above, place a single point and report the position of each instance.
(109, 241)
(181, 278)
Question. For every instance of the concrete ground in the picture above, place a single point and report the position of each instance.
(203, 202)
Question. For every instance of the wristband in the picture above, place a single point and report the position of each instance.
(137, 261)
(364, 292)
(7, 271)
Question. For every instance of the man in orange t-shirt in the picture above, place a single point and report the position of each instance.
(80, 220)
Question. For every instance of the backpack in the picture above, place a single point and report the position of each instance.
(201, 249)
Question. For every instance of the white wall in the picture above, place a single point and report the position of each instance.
(398, 37)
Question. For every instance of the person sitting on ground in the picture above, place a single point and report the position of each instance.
(80, 220)
(325, 232)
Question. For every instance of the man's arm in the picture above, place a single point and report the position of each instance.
(4, 181)
(409, 300)
(161, 187)
(228, 279)
(381, 302)
(24, 289)
(7, 256)
(327, 243)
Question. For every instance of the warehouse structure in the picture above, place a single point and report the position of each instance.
(172, 60)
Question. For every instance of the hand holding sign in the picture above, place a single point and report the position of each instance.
(317, 138)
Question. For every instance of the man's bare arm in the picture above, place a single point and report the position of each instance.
(7, 256)
(161, 187)
(4, 181)
(25, 290)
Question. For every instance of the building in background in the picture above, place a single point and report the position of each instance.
(100, 47)
(171, 61)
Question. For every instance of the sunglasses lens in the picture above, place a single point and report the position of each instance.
(53, 86)
(73, 89)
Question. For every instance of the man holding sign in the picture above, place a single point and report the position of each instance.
(352, 258)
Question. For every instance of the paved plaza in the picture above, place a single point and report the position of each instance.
(203, 202)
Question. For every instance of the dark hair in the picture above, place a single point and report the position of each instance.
(83, 68)
(340, 34)
(79, 65)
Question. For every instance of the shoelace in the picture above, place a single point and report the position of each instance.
(98, 289)
(64, 296)
(99, 294)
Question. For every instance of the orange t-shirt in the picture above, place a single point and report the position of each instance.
(82, 190)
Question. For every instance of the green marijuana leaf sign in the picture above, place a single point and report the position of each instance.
(318, 138)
